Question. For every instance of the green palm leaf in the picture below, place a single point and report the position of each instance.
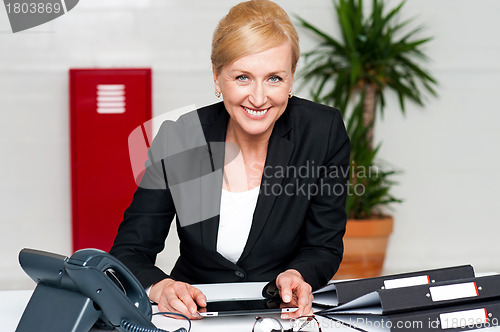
(374, 52)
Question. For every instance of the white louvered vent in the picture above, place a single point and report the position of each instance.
(110, 98)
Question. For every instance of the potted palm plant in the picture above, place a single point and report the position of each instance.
(375, 53)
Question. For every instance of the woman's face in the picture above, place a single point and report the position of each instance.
(255, 89)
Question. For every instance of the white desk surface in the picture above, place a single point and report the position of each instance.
(13, 303)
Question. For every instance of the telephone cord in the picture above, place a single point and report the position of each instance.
(131, 327)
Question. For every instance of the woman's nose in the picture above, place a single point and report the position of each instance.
(258, 95)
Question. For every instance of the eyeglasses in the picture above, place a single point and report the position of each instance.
(302, 324)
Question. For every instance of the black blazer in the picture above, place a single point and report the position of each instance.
(299, 219)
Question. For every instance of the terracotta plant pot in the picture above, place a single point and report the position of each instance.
(365, 244)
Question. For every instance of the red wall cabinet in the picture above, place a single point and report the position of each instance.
(106, 105)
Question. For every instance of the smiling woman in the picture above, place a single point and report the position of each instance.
(256, 90)
(255, 50)
(294, 241)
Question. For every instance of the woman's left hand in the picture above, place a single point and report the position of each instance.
(295, 291)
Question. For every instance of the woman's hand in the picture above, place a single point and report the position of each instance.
(295, 291)
(178, 297)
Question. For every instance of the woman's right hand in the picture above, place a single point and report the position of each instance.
(178, 297)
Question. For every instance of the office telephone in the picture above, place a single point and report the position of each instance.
(89, 288)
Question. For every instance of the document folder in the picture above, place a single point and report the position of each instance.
(462, 317)
(340, 292)
(439, 294)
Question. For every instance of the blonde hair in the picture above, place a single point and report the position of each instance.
(252, 27)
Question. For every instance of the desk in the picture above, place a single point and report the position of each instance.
(12, 304)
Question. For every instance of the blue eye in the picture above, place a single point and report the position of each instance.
(275, 79)
(242, 78)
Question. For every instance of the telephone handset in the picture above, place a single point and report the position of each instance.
(74, 293)
(109, 284)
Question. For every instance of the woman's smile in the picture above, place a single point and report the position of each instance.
(256, 114)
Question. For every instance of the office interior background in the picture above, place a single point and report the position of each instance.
(448, 150)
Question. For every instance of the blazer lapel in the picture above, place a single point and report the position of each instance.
(279, 152)
(215, 134)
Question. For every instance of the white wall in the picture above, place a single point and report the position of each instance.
(447, 150)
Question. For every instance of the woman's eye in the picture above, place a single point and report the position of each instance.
(275, 79)
(242, 78)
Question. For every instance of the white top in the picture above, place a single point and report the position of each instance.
(236, 214)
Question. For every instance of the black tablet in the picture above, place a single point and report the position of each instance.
(245, 307)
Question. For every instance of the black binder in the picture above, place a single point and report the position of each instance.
(454, 318)
(478, 315)
(435, 295)
(340, 292)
